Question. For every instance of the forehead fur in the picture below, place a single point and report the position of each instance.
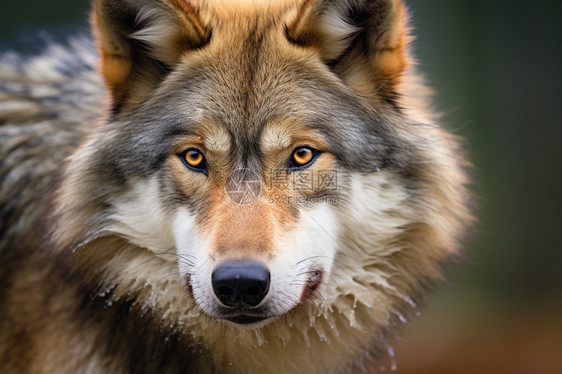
(248, 77)
(231, 9)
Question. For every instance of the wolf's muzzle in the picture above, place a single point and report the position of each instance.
(241, 283)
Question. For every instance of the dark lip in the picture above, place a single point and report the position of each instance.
(245, 319)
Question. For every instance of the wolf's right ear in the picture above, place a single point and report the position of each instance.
(140, 40)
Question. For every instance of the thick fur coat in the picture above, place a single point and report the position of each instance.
(118, 206)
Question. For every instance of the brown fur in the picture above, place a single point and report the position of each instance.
(89, 263)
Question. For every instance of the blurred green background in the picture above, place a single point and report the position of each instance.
(497, 68)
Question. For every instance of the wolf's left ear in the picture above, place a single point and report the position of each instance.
(140, 40)
(364, 41)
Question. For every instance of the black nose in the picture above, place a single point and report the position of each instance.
(241, 283)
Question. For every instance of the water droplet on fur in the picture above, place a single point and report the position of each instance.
(411, 302)
(259, 339)
(352, 320)
(319, 328)
(311, 320)
(413, 305)
(390, 351)
(332, 324)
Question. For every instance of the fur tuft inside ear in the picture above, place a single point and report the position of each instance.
(364, 41)
(140, 40)
(157, 29)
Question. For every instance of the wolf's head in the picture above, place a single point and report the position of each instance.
(265, 157)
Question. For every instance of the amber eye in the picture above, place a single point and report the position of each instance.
(303, 156)
(194, 159)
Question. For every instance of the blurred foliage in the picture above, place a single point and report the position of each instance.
(497, 67)
(25, 16)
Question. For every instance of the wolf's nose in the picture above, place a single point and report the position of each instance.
(241, 283)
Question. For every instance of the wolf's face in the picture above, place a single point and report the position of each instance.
(260, 154)
(247, 148)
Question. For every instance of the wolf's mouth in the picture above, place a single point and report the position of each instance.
(246, 319)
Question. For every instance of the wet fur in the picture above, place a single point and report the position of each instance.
(88, 286)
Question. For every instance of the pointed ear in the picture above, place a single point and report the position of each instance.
(139, 41)
(364, 41)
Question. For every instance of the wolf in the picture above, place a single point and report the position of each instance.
(222, 187)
